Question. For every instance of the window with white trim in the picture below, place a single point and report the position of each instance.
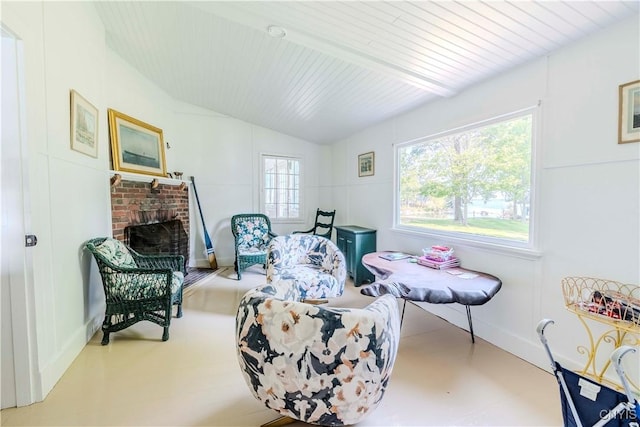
(471, 183)
(281, 187)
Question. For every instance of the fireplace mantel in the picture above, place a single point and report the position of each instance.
(139, 177)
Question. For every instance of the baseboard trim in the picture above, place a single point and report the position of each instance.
(527, 350)
(53, 372)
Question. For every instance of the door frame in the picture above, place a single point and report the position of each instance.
(21, 282)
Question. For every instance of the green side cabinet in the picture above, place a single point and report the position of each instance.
(355, 242)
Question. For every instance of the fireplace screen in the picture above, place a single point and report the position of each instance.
(163, 238)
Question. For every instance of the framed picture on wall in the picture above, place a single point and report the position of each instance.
(84, 125)
(136, 146)
(629, 112)
(366, 164)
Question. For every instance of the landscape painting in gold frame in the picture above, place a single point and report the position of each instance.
(629, 112)
(136, 146)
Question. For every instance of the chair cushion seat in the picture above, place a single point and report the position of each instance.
(312, 281)
(135, 287)
(248, 251)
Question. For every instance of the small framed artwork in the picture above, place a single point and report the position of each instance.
(366, 164)
(136, 146)
(84, 125)
(629, 112)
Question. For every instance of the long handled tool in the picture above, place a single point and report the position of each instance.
(207, 240)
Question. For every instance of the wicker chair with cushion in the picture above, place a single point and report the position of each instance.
(313, 363)
(252, 233)
(323, 225)
(313, 263)
(137, 287)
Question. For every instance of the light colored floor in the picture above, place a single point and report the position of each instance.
(440, 377)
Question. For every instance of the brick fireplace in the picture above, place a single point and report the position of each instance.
(136, 203)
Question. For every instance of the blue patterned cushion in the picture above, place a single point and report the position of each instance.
(254, 236)
(320, 365)
(130, 287)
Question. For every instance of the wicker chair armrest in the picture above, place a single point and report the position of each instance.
(140, 270)
(137, 270)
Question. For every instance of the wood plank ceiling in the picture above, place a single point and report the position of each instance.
(342, 65)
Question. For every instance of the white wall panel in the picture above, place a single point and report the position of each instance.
(589, 187)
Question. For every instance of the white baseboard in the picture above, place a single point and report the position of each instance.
(528, 350)
(59, 364)
(204, 262)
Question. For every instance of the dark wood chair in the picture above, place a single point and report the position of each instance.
(323, 225)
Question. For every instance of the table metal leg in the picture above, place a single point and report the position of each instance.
(468, 307)
(473, 339)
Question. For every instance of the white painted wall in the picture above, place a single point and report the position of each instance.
(588, 188)
(223, 154)
(62, 50)
(65, 48)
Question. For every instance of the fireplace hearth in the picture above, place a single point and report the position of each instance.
(162, 238)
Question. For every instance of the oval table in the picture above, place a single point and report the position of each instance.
(414, 282)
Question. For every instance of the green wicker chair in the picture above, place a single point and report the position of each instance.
(252, 234)
(137, 287)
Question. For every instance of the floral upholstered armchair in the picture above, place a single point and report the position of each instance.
(252, 233)
(314, 263)
(137, 287)
(313, 363)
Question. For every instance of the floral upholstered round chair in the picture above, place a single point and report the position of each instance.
(313, 264)
(317, 364)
